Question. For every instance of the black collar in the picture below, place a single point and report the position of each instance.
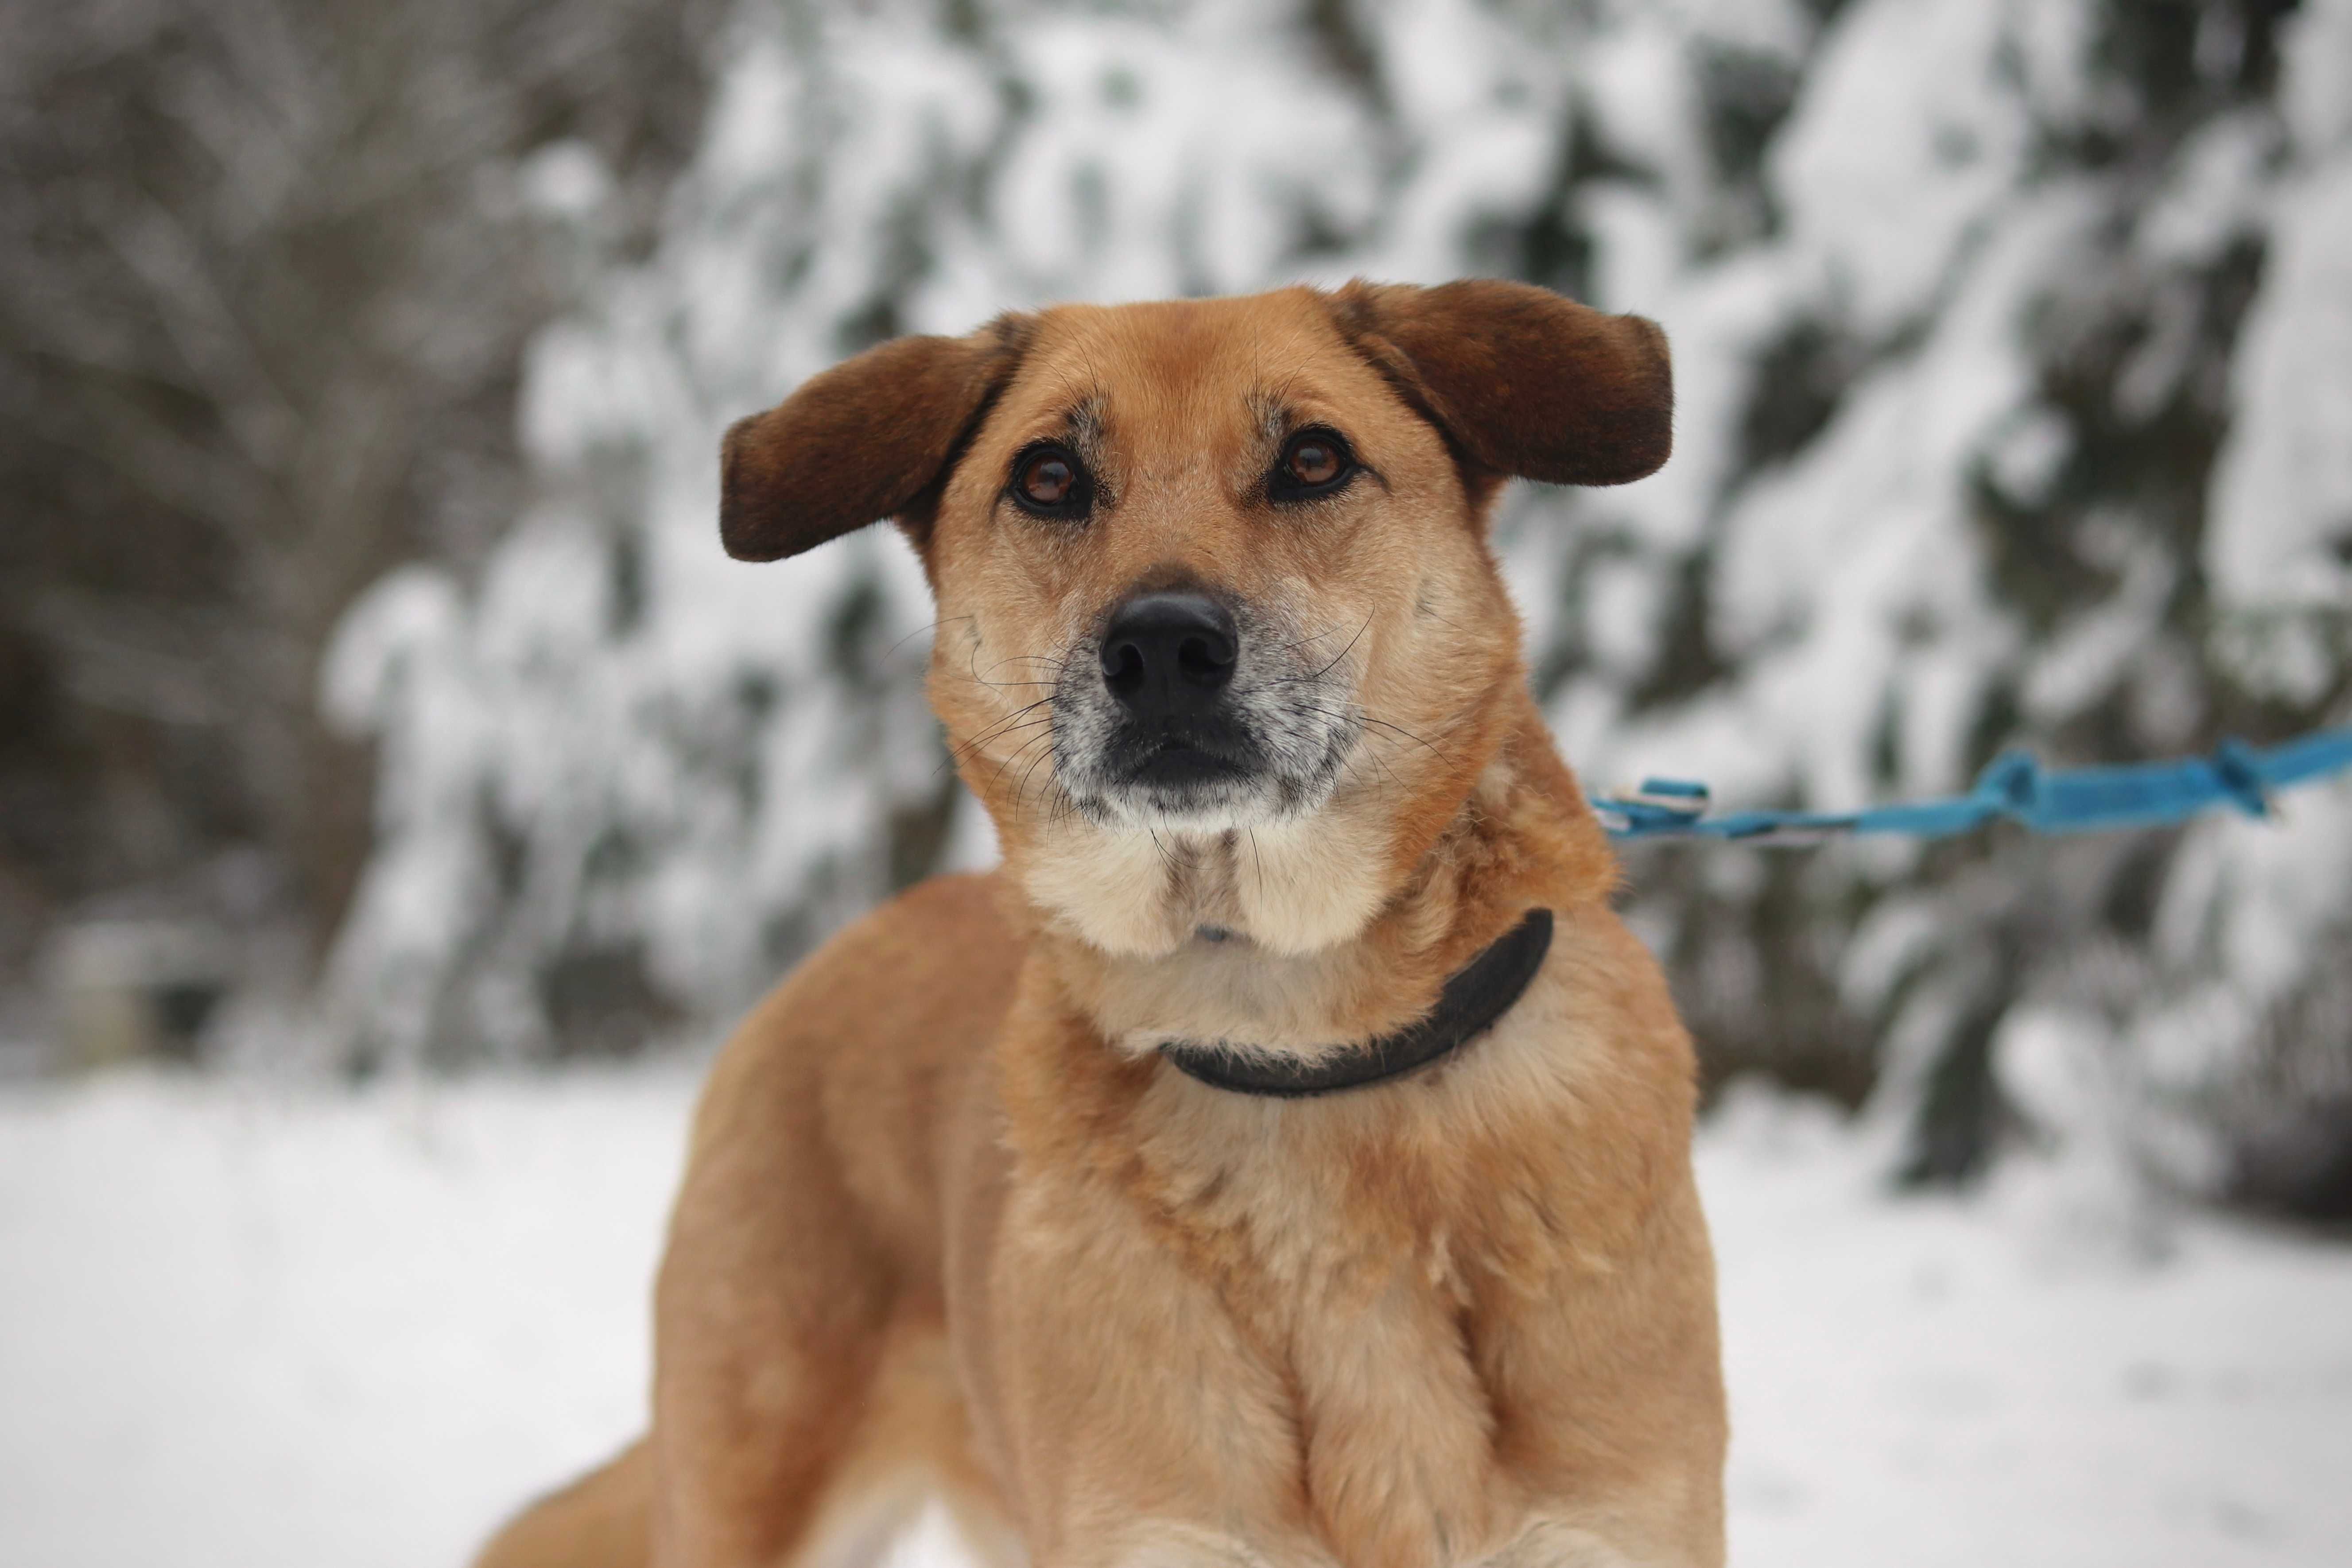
(1472, 1002)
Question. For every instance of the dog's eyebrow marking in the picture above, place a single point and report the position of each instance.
(1275, 416)
(1086, 427)
(1082, 423)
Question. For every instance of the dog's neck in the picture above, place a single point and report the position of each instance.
(1324, 932)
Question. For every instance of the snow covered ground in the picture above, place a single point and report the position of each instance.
(251, 1328)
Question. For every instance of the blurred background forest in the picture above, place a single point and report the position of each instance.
(374, 696)
(400, 792)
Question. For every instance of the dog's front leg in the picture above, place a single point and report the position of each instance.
(772, 1318)
(1554, 1542)
(1170, 1543)
(1139, 1426)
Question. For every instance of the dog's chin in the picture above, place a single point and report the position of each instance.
(1178, 788)
(1227, 809)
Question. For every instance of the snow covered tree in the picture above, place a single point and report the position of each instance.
(266, 273)
(2010, 342)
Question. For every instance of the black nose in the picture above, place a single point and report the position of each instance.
(1168, 654)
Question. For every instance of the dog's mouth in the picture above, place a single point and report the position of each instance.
(1175, 762)
(1209, 772)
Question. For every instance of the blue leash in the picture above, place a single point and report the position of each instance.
(2014, 786)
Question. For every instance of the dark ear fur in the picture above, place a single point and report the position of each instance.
(1522, 379)
(870, 438)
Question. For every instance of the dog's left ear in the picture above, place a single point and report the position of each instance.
(870, 438)
(1522, 379)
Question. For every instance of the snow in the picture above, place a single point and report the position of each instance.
(2282, 536)
(1885, 214)
(1949, 1382)
(244, 1329)
(249, 1327)
(2279, 544)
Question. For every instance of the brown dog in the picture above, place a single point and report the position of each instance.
(1237, 1175)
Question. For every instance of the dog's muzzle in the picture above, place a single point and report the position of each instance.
(1168, 661)
(1194, 711)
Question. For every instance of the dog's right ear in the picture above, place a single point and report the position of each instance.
(869, 440)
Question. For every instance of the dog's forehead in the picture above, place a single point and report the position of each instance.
(1187, 367)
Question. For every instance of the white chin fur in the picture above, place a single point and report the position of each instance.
(1229, 809)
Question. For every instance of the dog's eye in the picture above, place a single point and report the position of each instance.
(1049, 481)
(1314, 463)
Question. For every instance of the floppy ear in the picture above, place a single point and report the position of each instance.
(1522, 379)
(870, 438)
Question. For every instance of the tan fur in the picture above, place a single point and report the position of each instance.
(950, 1225)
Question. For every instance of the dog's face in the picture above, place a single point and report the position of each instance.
(1211, 570)
(1199, 568)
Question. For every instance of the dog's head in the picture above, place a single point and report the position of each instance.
(1213, 568)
